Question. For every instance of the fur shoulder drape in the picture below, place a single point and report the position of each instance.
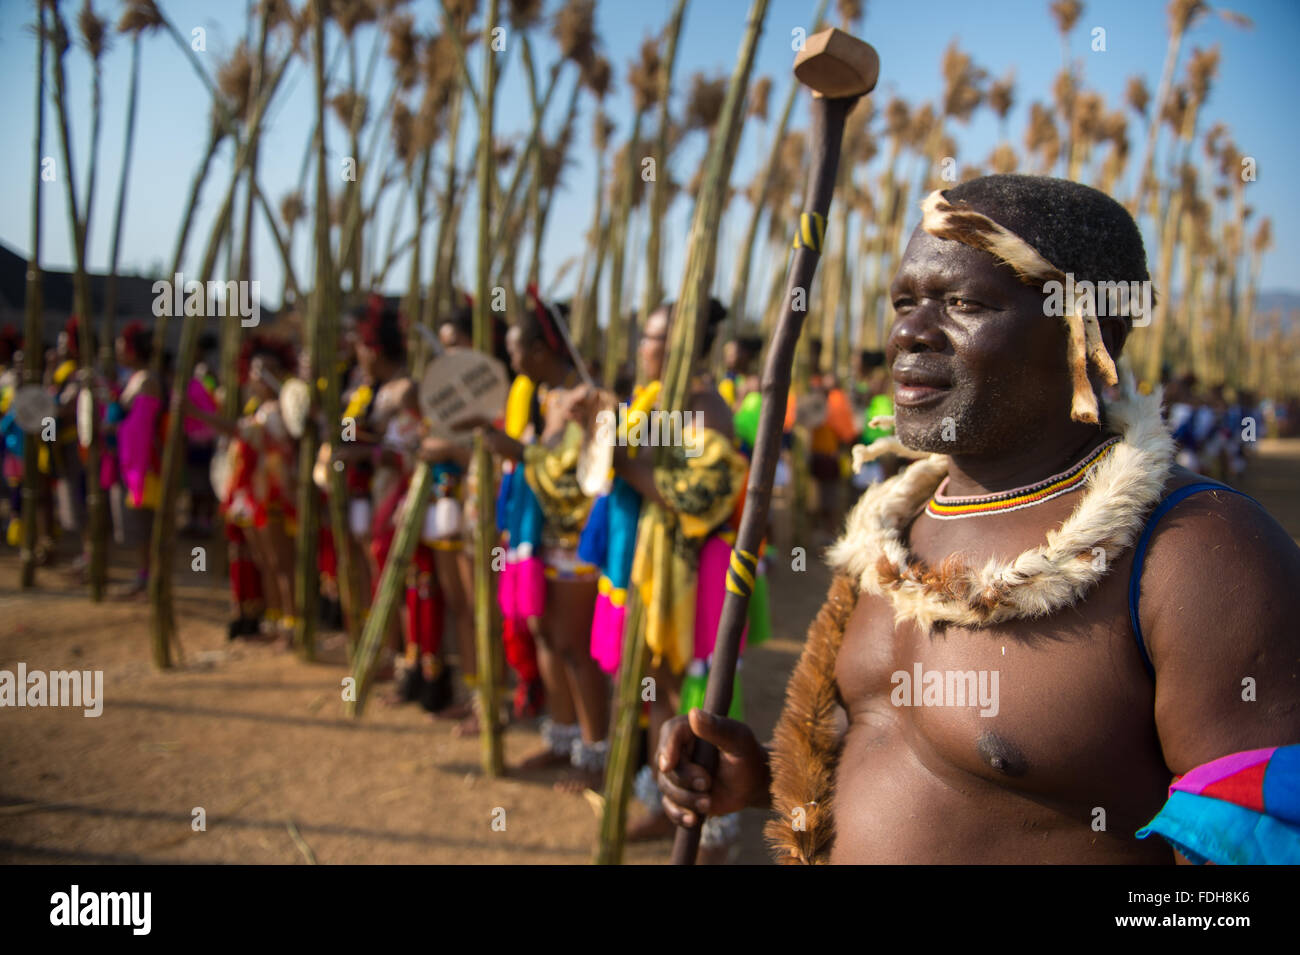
(805, 747)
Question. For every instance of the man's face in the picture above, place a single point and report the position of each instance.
(978, 368)
(653, 345)
(731, 356)
(451, 337)
(261, 370)
(524, 356)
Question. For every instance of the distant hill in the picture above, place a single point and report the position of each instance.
(1288, 302)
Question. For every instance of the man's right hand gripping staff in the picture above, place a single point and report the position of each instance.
(743, 778)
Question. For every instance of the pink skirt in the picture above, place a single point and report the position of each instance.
(711, 591)
(607, 633)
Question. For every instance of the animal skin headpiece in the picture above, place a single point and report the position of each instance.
(546, 320)
(369, 329)
(960, 223)
(137, 337)
(72, 328)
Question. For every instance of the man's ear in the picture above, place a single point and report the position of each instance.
(1114, 333)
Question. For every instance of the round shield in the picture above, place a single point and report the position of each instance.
(459, 386)
(320, 474)
(596, 457)
(219, 471)
(32, 405)
(85, 417)
(295, 405)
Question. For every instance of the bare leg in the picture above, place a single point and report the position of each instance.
(282, 550)
(264, 558)
(569, 607)
(559, 698)
(455, 577)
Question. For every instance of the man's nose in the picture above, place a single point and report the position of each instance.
(917, 330)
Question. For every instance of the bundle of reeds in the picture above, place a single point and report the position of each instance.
(690, 313)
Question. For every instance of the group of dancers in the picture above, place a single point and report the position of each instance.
(571, 559)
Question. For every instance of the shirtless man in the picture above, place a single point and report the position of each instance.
(1088, 713)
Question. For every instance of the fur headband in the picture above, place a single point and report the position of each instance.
(942, 219)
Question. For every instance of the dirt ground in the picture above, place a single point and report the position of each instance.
(258, 739)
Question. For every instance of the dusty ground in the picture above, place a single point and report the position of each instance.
(258, 740)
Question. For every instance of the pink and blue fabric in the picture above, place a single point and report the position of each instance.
(1242, 809)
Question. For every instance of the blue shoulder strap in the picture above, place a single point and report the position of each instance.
(1140, 553)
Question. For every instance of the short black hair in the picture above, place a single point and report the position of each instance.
(717, 312)
(531, 330)
(1076, 228)
(461, 318)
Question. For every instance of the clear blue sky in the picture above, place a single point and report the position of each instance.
(1253, 94)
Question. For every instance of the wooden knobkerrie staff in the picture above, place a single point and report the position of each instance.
(839, 69)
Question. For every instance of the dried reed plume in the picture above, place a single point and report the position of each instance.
(524, 14)
(923, 122)
(441, 71)
(461, 11)
(1175, 111)
(643, 75)
(1182, 13)
(601, 129)
(350, 14)
(1041, 137)
(93, 30)
(345, 105)
(1064, 89)
(235, 79)
(1201, 70)
(575, 30)
(1215, 139)
(1002, 95)
(597, 75)
(1066, 13)
(898, 117)
(624, 168)
(963, 83)
(1137, 95)
(704, 103)
(139, 17)
(850, 11)
(1088, 111)
(1003, 159)
(404, 133)
(552, 161)
(1112, 127)
(1263, 240)
(292, 208)
(403, 50)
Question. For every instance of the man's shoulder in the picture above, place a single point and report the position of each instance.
(1219, 611)
(1218, 563)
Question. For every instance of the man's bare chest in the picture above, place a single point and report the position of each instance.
(1058, 706)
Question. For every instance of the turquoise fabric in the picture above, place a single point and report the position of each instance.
(1205, 829)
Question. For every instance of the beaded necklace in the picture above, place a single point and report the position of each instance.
(946, 508)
